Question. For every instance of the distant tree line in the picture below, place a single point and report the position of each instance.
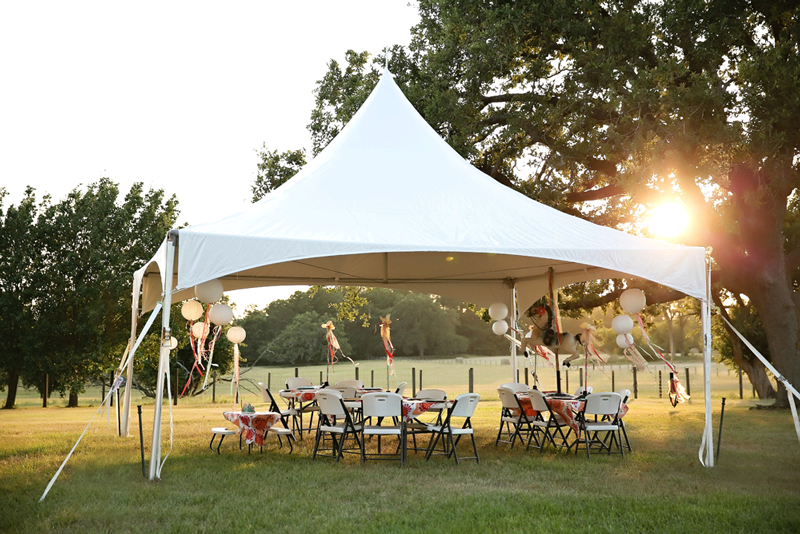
(290, 331)
(65, 282)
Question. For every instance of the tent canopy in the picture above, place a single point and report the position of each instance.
(388, 203)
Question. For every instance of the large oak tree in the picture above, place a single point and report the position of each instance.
(607, 109)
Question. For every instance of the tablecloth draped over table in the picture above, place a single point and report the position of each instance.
(566, 408)
(253, 425)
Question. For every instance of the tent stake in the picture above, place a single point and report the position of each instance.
(719, 436)
(141, 439)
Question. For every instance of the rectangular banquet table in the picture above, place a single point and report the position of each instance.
(253, 425)
(565, 406)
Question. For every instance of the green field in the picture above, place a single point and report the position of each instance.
(661, 486)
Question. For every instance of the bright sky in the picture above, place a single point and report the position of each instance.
(177, 95)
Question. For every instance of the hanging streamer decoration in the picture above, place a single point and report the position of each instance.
(628, 346)
(333, 348)
(677, 393)
(387, 343)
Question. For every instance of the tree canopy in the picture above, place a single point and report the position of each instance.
(72, 281)
(606, 110)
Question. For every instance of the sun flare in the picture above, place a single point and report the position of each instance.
(668, 220)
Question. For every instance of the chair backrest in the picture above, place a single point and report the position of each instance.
(516, 387)
(358, 384)
(330, 402)
(508, 398)
(538, 401)
(401, 388)
(382, 404)
(602, 403)
(432, 394)
(580, 390)
(625, 394)
(266, 396)
(348, 392)
(298, 381)
(464, 405)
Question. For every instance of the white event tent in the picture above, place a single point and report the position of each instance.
(388, 203)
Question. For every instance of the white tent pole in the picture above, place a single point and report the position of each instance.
(514, 332)
(125, 427)
(163, 360)
(708, 432)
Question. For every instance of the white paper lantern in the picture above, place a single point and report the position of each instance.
(208, 292)
(632, 300)
(173, 343)
(624, 341)
(622, 324)
(500, 327)
(236, 334)
(498, 311)
(198, 329)
(192, 310)
(220, 314)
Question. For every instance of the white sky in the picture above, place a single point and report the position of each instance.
(177, 95)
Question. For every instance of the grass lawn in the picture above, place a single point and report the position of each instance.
(660, 487)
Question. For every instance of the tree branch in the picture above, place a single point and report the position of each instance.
(595, 194)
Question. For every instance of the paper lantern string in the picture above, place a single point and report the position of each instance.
(652, 345)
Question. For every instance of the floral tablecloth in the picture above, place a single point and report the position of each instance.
(413, 408)
(566, 408)
(253, 425)
(299, 395)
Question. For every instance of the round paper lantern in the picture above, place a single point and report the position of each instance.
(208, 292)
(624, 341)
(498, 311)
(622, 324)
(632, 300)
(236, 334)
(220, 314)
(173, 343)
(500, 327)
(198, 329)
(192, 310)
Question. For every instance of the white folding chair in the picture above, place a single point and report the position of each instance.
(302, 407)
(267, 397)
(358, 384)
(418, 427)
(382, 405)
(599, 405)
(583, 389)
(463, 407)
(516, 387)
(349, 392)
(513, 419)
(335, 420)
(625, 394)
(548, 428)
(401, 388)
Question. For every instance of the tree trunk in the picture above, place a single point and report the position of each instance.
(754, 369)
(772, 297)
(73, 400)
(12, 383)
(668, 317)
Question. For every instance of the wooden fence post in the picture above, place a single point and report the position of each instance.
(688, 389)
(635, 385)
(414, 381)
(741, 393)
(471, 381)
